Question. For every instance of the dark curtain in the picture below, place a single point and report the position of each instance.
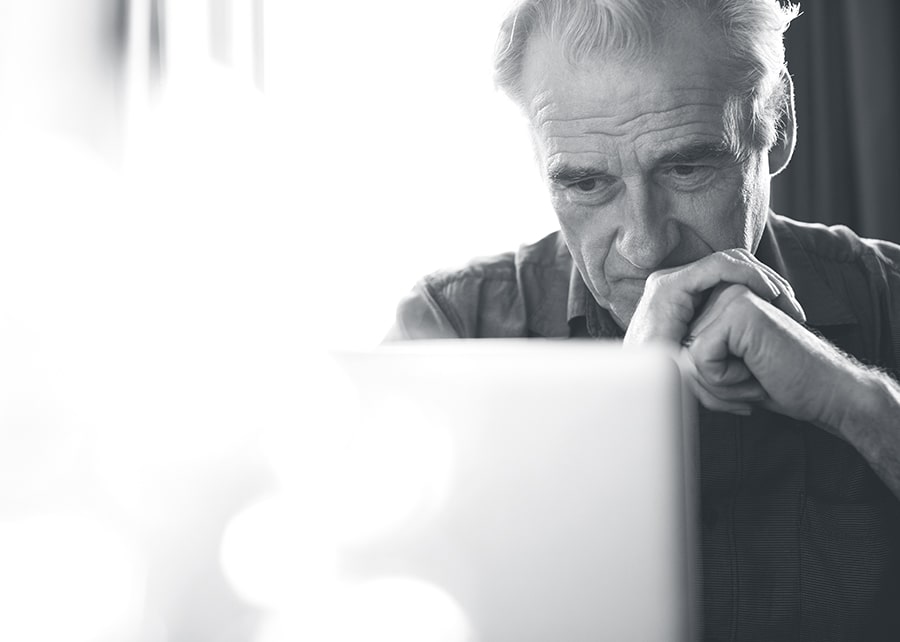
(844, 58)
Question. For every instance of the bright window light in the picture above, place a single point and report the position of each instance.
(402, 156)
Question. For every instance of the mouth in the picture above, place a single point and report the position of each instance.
(630, 282)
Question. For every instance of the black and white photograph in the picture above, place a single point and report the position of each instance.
(495, 321)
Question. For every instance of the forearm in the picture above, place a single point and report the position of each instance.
(872, 426)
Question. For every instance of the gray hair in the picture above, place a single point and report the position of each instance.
(631, 30)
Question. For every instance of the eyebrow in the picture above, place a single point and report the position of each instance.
(570, 174)
(689, 154)
(695, 153)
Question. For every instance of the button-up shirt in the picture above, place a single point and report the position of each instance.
(800, 538)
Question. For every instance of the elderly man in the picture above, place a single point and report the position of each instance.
(658, 125)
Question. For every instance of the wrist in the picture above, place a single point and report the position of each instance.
(872, 403)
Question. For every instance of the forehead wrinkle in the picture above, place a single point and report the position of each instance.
(569, 127)
(608, 125)
(636, 95)
(551, 157)
(674, 130)
(542, 102)
(576, 144)
(655, 151)
(662, 113)
(641, 151)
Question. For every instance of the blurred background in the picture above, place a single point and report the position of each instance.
(197, 199)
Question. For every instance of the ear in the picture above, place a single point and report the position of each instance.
(781, 152)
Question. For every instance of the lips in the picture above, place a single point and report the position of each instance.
(627, 280)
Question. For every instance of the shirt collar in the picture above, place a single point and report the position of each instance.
(598, 322)
(557, 300)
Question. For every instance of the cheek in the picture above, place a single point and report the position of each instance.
(584, 230)
(720, 218)
(589, 242)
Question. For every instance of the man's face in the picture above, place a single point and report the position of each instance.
(638, 171)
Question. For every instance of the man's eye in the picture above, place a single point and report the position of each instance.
(688, 177)
(593, 190)
(684, 171)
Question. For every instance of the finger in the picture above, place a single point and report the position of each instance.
(716, 367)
(786, 300)
(706, 398)
(724, 373)
(716, 404)
(788, 304)
(779, 280)
(714, 306)
(710, 271)
(749, 392)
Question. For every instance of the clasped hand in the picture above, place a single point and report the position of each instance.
(743, 340)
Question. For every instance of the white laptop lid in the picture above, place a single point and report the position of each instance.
(547, 487)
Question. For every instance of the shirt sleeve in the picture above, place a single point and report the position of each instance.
(420, 317)
(888, 269)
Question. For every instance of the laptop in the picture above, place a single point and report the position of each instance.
(537, 490)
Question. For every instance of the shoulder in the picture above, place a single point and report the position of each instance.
(843, 279)
(838, 244)
(491, 296)
(510, 268)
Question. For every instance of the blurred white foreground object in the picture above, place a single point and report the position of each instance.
(562, 503)
(68, 577)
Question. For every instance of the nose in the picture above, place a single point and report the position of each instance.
(647, 235)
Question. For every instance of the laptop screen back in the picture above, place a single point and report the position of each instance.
(547, 487)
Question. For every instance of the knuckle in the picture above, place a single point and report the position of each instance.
(711, 377)
(731, 263)
(724, 256)
(740, 291)
(744, 301)
(654, 280)
(732, 293)
(714, 375)
(744, 294)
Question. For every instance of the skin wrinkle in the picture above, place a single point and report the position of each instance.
(648, 114)
(645, 218)
(670, 29)
(553, 166)
(634, 125)
(619, 235)
(569, 143)
(658, 130)
(557, 138)
(710, 150)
